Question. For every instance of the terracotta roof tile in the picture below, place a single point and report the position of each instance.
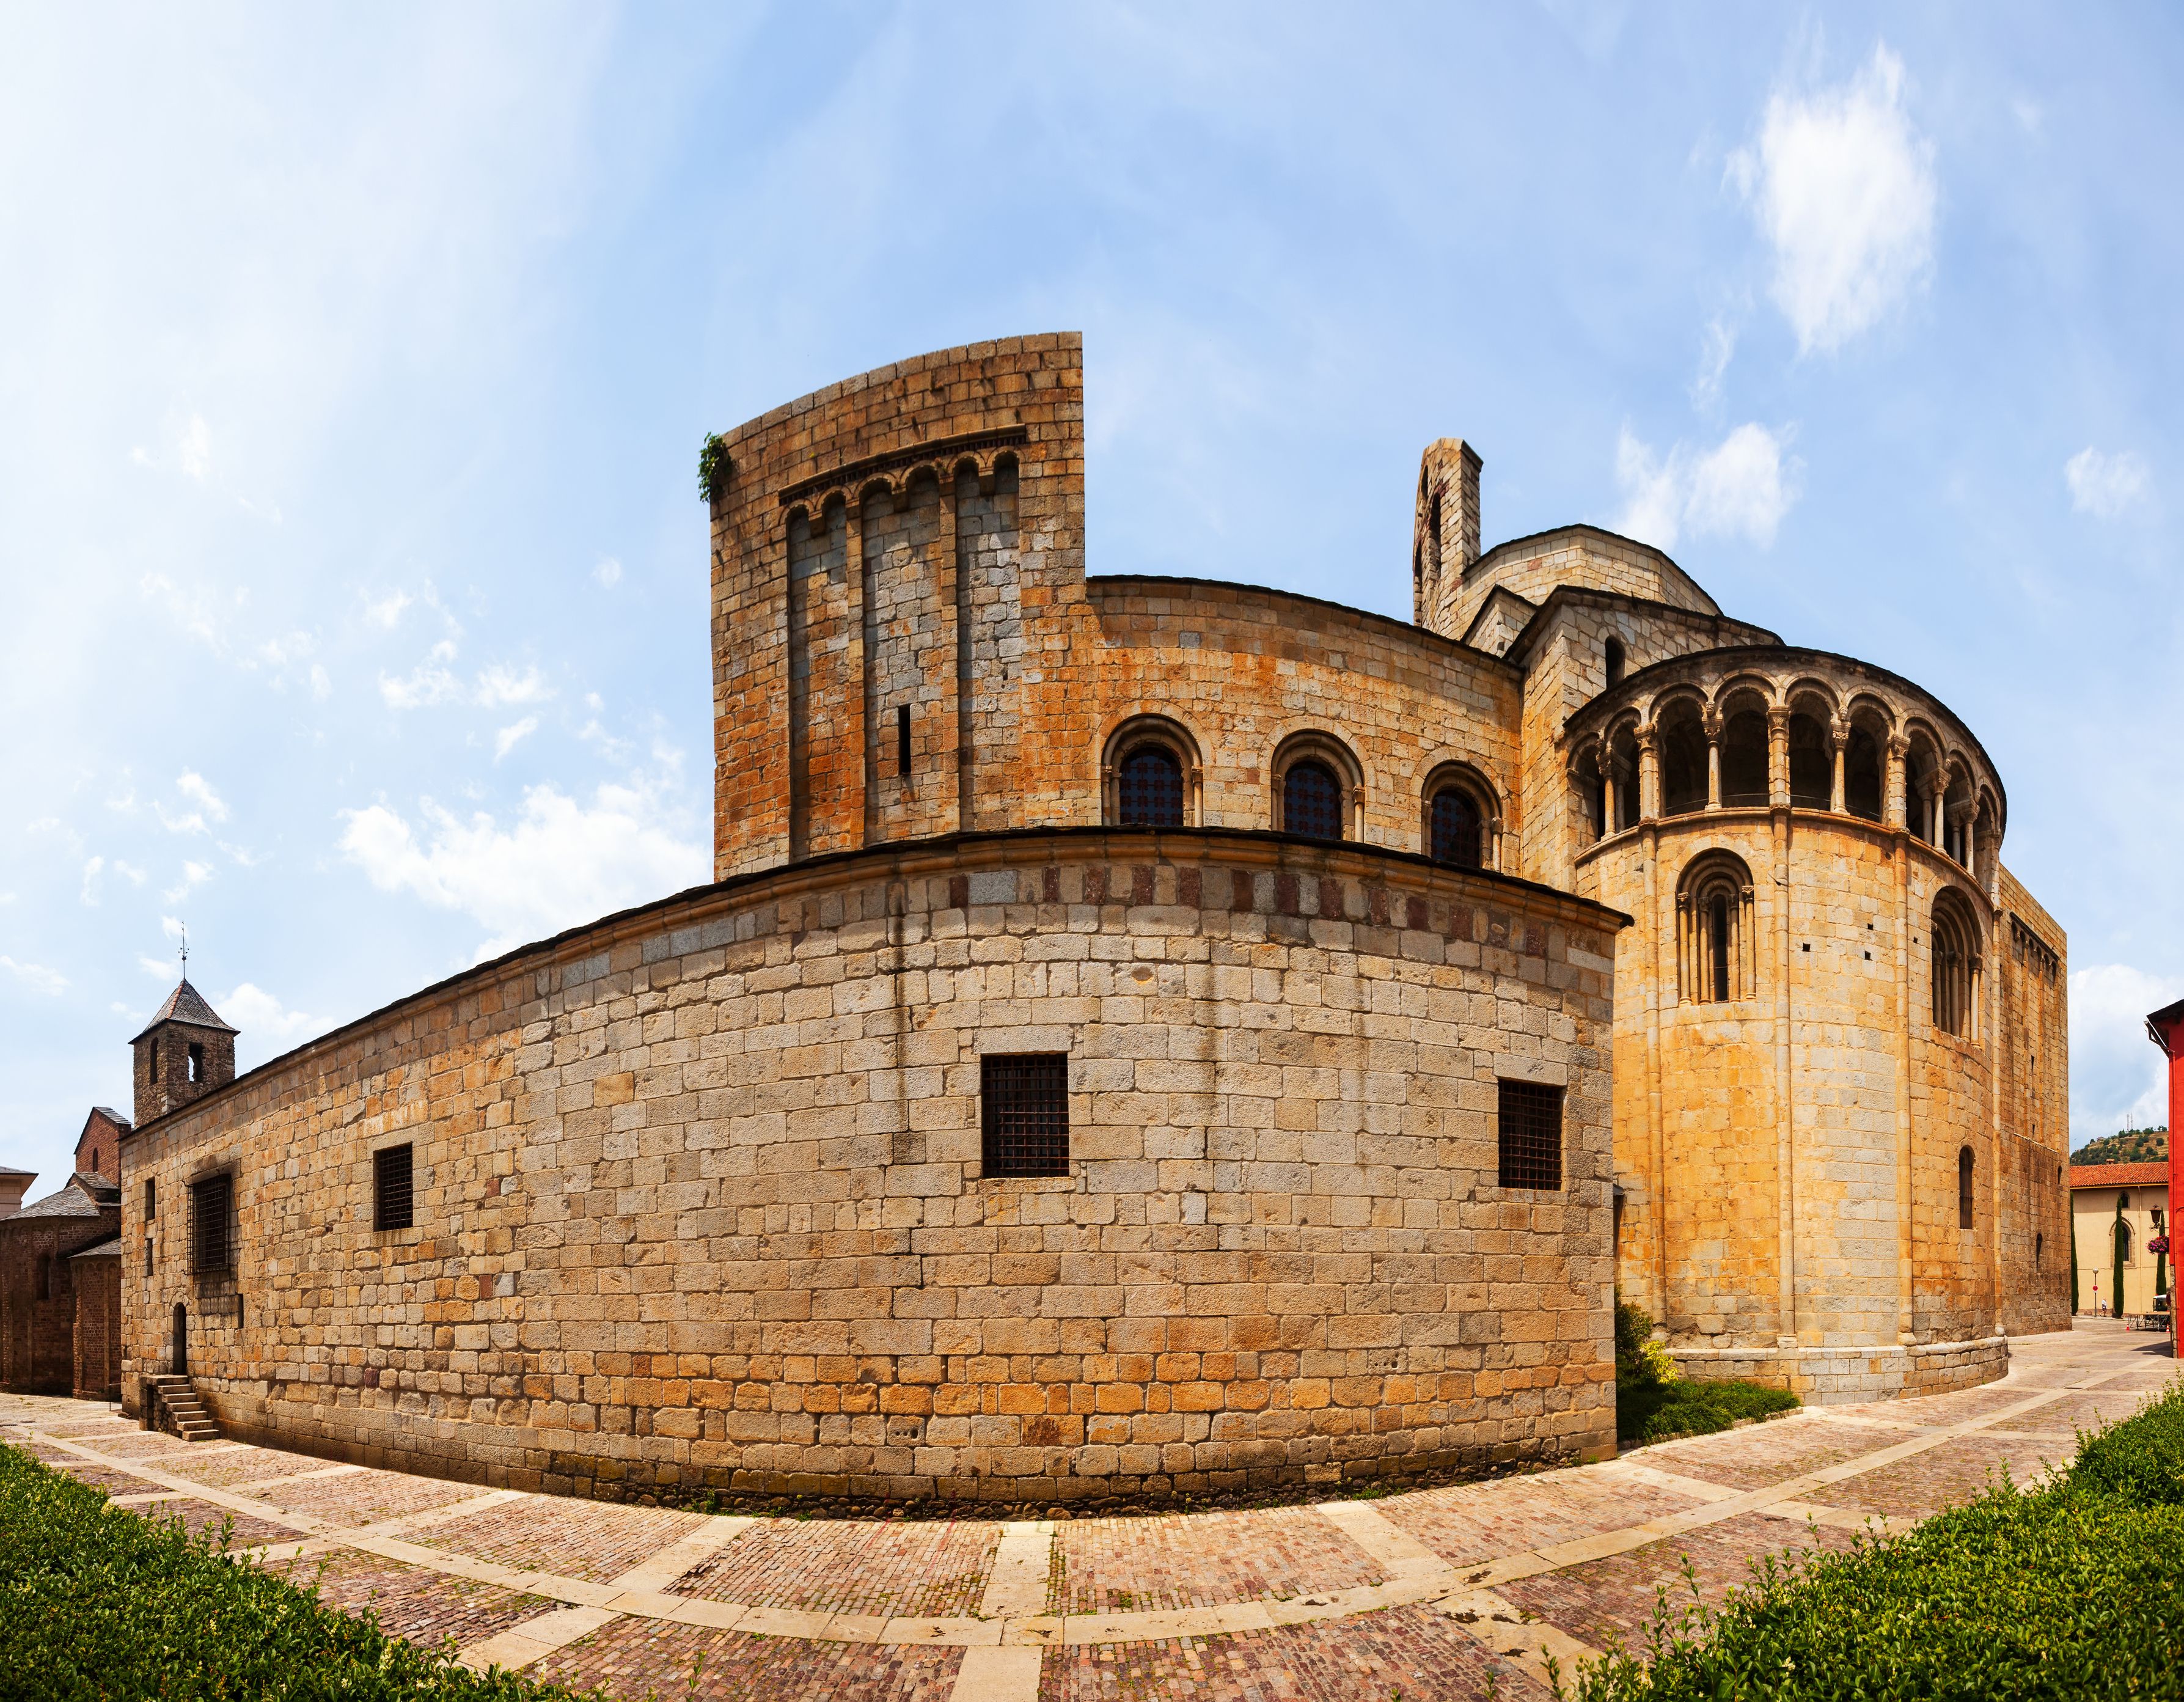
(2154, 1175)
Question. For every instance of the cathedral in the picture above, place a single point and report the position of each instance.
(1151, 1036)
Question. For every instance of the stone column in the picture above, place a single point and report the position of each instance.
(1893, 809)
(1607, 789)
(1971, 844)
(1649, 772)
(1710, 720)
(1838, 739)
(1937, 809)
(1778, 756)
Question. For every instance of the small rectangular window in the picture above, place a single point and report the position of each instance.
(1024, 1114)
(902, 740)
(393, 1199)
(212, 1211)
(197, 1062)
(1531, 1136)
(151, 1198)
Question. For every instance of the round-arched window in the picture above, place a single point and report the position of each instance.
(1151, 787)
(1459, 832)
(1312, 801)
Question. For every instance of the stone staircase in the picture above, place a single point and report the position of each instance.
(181, 1410)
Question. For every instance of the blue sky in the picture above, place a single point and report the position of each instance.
(355, 364)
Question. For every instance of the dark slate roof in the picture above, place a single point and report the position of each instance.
(111, 1115)
(108, 1249)
(76, 1199)
(5, 1171)
(185, 1004)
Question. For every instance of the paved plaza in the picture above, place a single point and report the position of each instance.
(1452, 1592)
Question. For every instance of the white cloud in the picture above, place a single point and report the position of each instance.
(509, 737)
(171, 926)
(265, 1021)
(2118, 1077)
(194, 875)
(321, 687)
(608, 572)
(1843, 189)
(280, 652)
(129, 871)
(387, 611)
(426, 687)
(159, 968)
(89, 894)
(1742, 487)
(194, 448)
(499, 685)
(1714, 364)
(2104, 485)
(194, 787)
(560, 862)
(49, 983)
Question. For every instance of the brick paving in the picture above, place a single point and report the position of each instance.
(1180, 1560)
(1277, 1604)
(912, 1567)
(1617, 1598)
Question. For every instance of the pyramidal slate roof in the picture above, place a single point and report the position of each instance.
(185, 1004)
(78, 1197)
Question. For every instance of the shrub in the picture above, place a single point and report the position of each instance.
(2076, 1590)
(2140, 1460)
(1639, 1360)
(1659, 1412)
(98, 1603)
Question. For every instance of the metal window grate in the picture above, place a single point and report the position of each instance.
(394, 1193)
(212, 1215)
(1456, 829)
(1024, 1114)
(1531, 1136)
(1312, 801)
(1152, 788)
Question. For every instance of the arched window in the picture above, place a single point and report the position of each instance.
(1744, 759)
(1151, 787)
(1863, 775)
(1683, 747)
(1615, 659)
(1458, 833)
(1312, 801)
(2123, 1246)
(1714, 930)
(1964, 1187)
(1460, 814)
(1812, 763)
(1918, 777)
(1318, 789)
(1954, 945)
(1149, 774)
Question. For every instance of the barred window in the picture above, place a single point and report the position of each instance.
(1152, 788)
(1024, 1114)
(1458, 831)
(212, 1213)
(1531, 1136)
(394, 1193)
(1312, 801)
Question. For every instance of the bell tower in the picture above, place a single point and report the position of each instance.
(185, 1052)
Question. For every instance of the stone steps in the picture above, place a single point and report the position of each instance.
(185, 1410)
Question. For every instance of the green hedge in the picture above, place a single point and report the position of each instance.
(2076, 1590)
(96, 1602)
(1660, 1412)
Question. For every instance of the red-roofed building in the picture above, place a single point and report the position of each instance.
(2126, 1204)
(2165, 1028)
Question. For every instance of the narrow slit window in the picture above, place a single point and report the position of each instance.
(393, 1192)
(1024, 1100)
(1964, 1188)
(1531, 1130)
(151, 1198)
(902, 740)
(197, 1062)
(212, 1209)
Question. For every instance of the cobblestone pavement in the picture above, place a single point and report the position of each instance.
(1454, 1593)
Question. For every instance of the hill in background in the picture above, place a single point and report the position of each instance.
(2126, 1146)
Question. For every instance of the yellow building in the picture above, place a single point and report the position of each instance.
(2100, 1196)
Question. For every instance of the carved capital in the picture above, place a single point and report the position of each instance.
(1899, 745)
(1710, 723)
(1778, 720)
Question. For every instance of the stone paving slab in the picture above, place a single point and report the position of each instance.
(1436, 1593)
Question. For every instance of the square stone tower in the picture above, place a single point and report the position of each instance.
(185, 1052)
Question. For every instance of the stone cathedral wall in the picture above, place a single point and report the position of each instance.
(700, 1197)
